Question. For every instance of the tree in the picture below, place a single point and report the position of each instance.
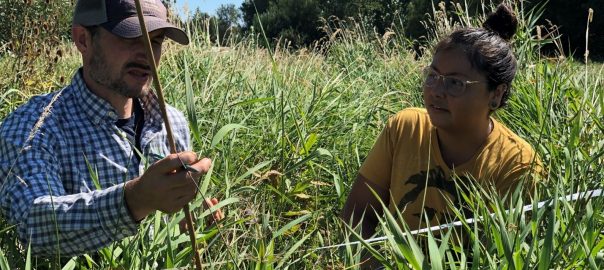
(248, 11)
(229, 15)
(227, 22)
(299, 21)
(377, 13)
(294, 20)
(571, 16)
(220, 28)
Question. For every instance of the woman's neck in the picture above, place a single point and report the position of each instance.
(457, 148)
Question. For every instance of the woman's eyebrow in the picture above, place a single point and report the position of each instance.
(448, 74)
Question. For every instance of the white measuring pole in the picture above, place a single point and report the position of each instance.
(569, 198)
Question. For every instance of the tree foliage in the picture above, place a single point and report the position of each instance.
(221, 28)
(299, 21)
(294, 20)
(32, 27)
(571, 17)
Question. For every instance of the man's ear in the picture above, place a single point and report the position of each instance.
(82, 38)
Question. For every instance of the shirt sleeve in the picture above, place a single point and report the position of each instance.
(377, 166)
(180, 125)
(32, 196)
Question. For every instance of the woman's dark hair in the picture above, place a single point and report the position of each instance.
(488, 48)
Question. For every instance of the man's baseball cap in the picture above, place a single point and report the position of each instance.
(120, 18)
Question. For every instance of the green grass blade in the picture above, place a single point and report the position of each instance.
(70, 265)
(28, 258)
(293, 249)
(190, 101)
(223, 131)
(4, 265)
(291, 224)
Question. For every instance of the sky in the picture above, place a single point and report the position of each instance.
(208, 6)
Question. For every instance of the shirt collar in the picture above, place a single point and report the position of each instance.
(150, 105)
(99, 110)
(94, 107)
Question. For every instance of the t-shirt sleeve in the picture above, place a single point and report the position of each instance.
(377, 166)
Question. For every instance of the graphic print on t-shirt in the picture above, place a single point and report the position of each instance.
(434, 178)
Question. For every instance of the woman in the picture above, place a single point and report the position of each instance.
(412, 164)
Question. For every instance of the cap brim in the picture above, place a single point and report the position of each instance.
(130, 28)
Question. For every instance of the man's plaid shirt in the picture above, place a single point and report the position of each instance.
(51, 149)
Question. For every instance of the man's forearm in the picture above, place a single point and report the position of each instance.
(74, 224)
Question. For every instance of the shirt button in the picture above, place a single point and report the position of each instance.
(111, 114)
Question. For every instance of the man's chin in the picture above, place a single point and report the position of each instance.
(138, 94)
(135, 86)
(133, 92)
(137, 90)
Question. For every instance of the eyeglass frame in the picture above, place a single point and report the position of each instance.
(430, 70)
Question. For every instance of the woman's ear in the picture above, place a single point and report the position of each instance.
(496, 96)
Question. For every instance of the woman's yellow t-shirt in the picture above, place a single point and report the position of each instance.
(406, 160)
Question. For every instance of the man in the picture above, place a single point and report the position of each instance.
(72, 162)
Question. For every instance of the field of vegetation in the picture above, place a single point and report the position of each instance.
(288, 130)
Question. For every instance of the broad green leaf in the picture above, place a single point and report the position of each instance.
(190, 100)
(223, 132)
(70, 265)
(290, 225)
(251, 171)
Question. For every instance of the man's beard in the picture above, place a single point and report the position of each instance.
(99, 72)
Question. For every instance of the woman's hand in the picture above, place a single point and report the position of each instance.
(362, 203)
(216, 216)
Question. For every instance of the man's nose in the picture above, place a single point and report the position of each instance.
(139, 50)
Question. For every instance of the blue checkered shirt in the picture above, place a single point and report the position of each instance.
(50, 150)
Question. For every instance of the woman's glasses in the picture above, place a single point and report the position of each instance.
(453, 86)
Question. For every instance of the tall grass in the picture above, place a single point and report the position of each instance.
(287, 131)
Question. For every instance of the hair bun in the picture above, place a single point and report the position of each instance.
(503, 22)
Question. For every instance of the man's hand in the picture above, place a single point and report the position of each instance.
(165, 185)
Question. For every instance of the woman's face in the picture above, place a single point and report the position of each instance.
(451, 110)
